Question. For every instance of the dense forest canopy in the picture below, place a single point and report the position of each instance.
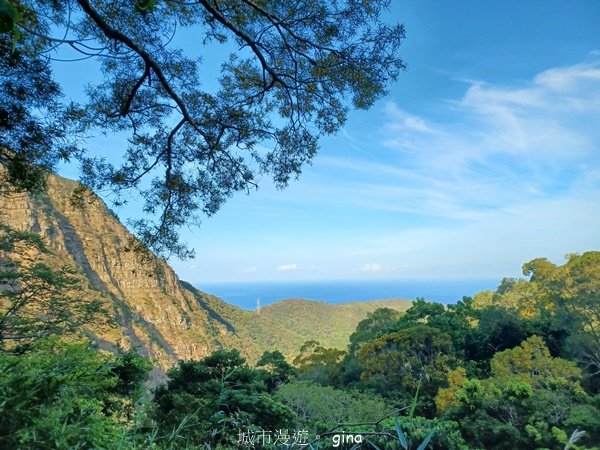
(297, 69)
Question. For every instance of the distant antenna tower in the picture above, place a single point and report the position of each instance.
(258, 305)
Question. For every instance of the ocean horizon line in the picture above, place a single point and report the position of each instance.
(245, 294)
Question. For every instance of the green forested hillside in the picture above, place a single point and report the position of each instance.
(329, 324)
(287, 324)
(245, 330)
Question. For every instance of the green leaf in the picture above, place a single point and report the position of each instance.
(413, 405)
(8, 16)
(145, 6)
(426, 441)
(401, 436)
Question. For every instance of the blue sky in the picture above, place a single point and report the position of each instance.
(484, 155)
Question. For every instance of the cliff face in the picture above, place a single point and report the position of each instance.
(152, 308)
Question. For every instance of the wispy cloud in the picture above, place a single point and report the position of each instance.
(496, 243)
(371, 267)
(509, 174)
(288, 267)
(405, 122)
(498, 146)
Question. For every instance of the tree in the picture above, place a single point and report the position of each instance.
(572, 292)
(319, 364)
(531, 362)
(454, 320)
(299, 68)
(217, 397)
(406, 361)
(66, 395)
(498, 329)
(421, 311)
(321, 407)
(278, 368)
(34, 125)
(446, 397)
(560, 303)
(36, 299)
(528, 394)
(376, 324)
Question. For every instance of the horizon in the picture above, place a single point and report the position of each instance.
(352, 280)
(245, 294)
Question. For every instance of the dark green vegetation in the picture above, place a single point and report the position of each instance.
(512, 369)
(294, 71)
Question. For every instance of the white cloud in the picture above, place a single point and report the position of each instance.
(510, 174)
(287, 267)
(499, 147)
(568, 79)
(504, 145)
(372, 267)
(403, 121)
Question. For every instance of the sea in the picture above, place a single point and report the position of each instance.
(246, 294)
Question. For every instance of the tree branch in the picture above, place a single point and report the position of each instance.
(247, 39)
